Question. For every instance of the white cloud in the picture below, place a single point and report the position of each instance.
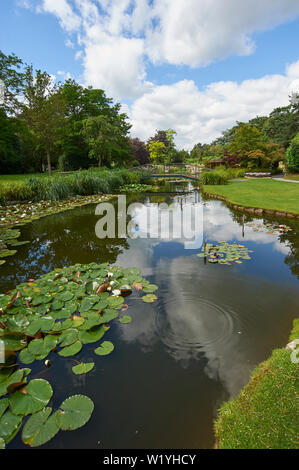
(116, 65)
(197, 32)
(119, 36)
(200, 116)
(63, 11)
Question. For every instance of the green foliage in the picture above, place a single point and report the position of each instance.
(62, 311)
(157, 152)
(106, 348)
(213, 177)
(224, 253)
(292, 160)
(83, 368)
(81, 183)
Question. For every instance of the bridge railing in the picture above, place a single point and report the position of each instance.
(170, 169)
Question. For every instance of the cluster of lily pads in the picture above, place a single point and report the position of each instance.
(134, 188)
(225, 253)
(8, 239)
(27, 212)
(270, 229)
(59, 312)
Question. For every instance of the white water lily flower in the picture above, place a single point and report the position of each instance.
(109, 289)
(116, 292)
(110, 274)
(111, 283)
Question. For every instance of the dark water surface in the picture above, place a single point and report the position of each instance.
(182, 356)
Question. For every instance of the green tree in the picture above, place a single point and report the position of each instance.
(157, 151)
(12, 78)
(10, 146)
(167, 138)
(43, 111)
(81, 104)
(292, 155)
(282, 125)
(101, 137)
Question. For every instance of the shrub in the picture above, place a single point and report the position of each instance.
(15, 192)
(213, 177)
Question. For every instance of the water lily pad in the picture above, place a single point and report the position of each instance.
(68, 337)
(71, 350)
(26, 356)
(105, 348)
(13, 342)
(3, 405)
(9, 426)
(125, 319)
(2, 443)
(150, 288)
(36, 396)
(149, 298)
(108, 315)
(83, 368)
(116, 301)
(93, 335)
(75, 412)
(40, 428)
(8, 378)
(65, 296)
(87, 304)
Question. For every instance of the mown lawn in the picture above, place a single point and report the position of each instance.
(263, 194)
(15, 179)
(265, 414)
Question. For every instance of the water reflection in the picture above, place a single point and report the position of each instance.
(182, 356)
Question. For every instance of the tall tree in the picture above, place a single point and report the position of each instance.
(157, 151)
(138, 150)
(282, 125)
(11, 78)
(101, 137)
(43, 111)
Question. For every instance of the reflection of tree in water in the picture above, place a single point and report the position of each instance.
(60, 240)
(291, 238)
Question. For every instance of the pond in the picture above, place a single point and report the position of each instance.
(185, 354)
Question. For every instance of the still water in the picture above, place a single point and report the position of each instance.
(183, 355)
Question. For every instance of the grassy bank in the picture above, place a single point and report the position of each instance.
(292, 177)
(265, 414)
(58, 187)
(262, 194)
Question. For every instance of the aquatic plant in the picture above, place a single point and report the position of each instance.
(8, 238)
(225, 253)
(59, 312)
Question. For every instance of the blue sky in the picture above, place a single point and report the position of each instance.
(195, 65)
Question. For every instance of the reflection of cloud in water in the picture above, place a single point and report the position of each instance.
(218, 225)
(194, 318)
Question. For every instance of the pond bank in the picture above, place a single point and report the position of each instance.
(264, 415)
(22, 213)
(259, 197)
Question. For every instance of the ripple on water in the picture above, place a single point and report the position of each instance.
(190, 326)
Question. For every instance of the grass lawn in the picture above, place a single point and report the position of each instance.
(265, 414)
(292, 177)
(15, 179)
(262, 194)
